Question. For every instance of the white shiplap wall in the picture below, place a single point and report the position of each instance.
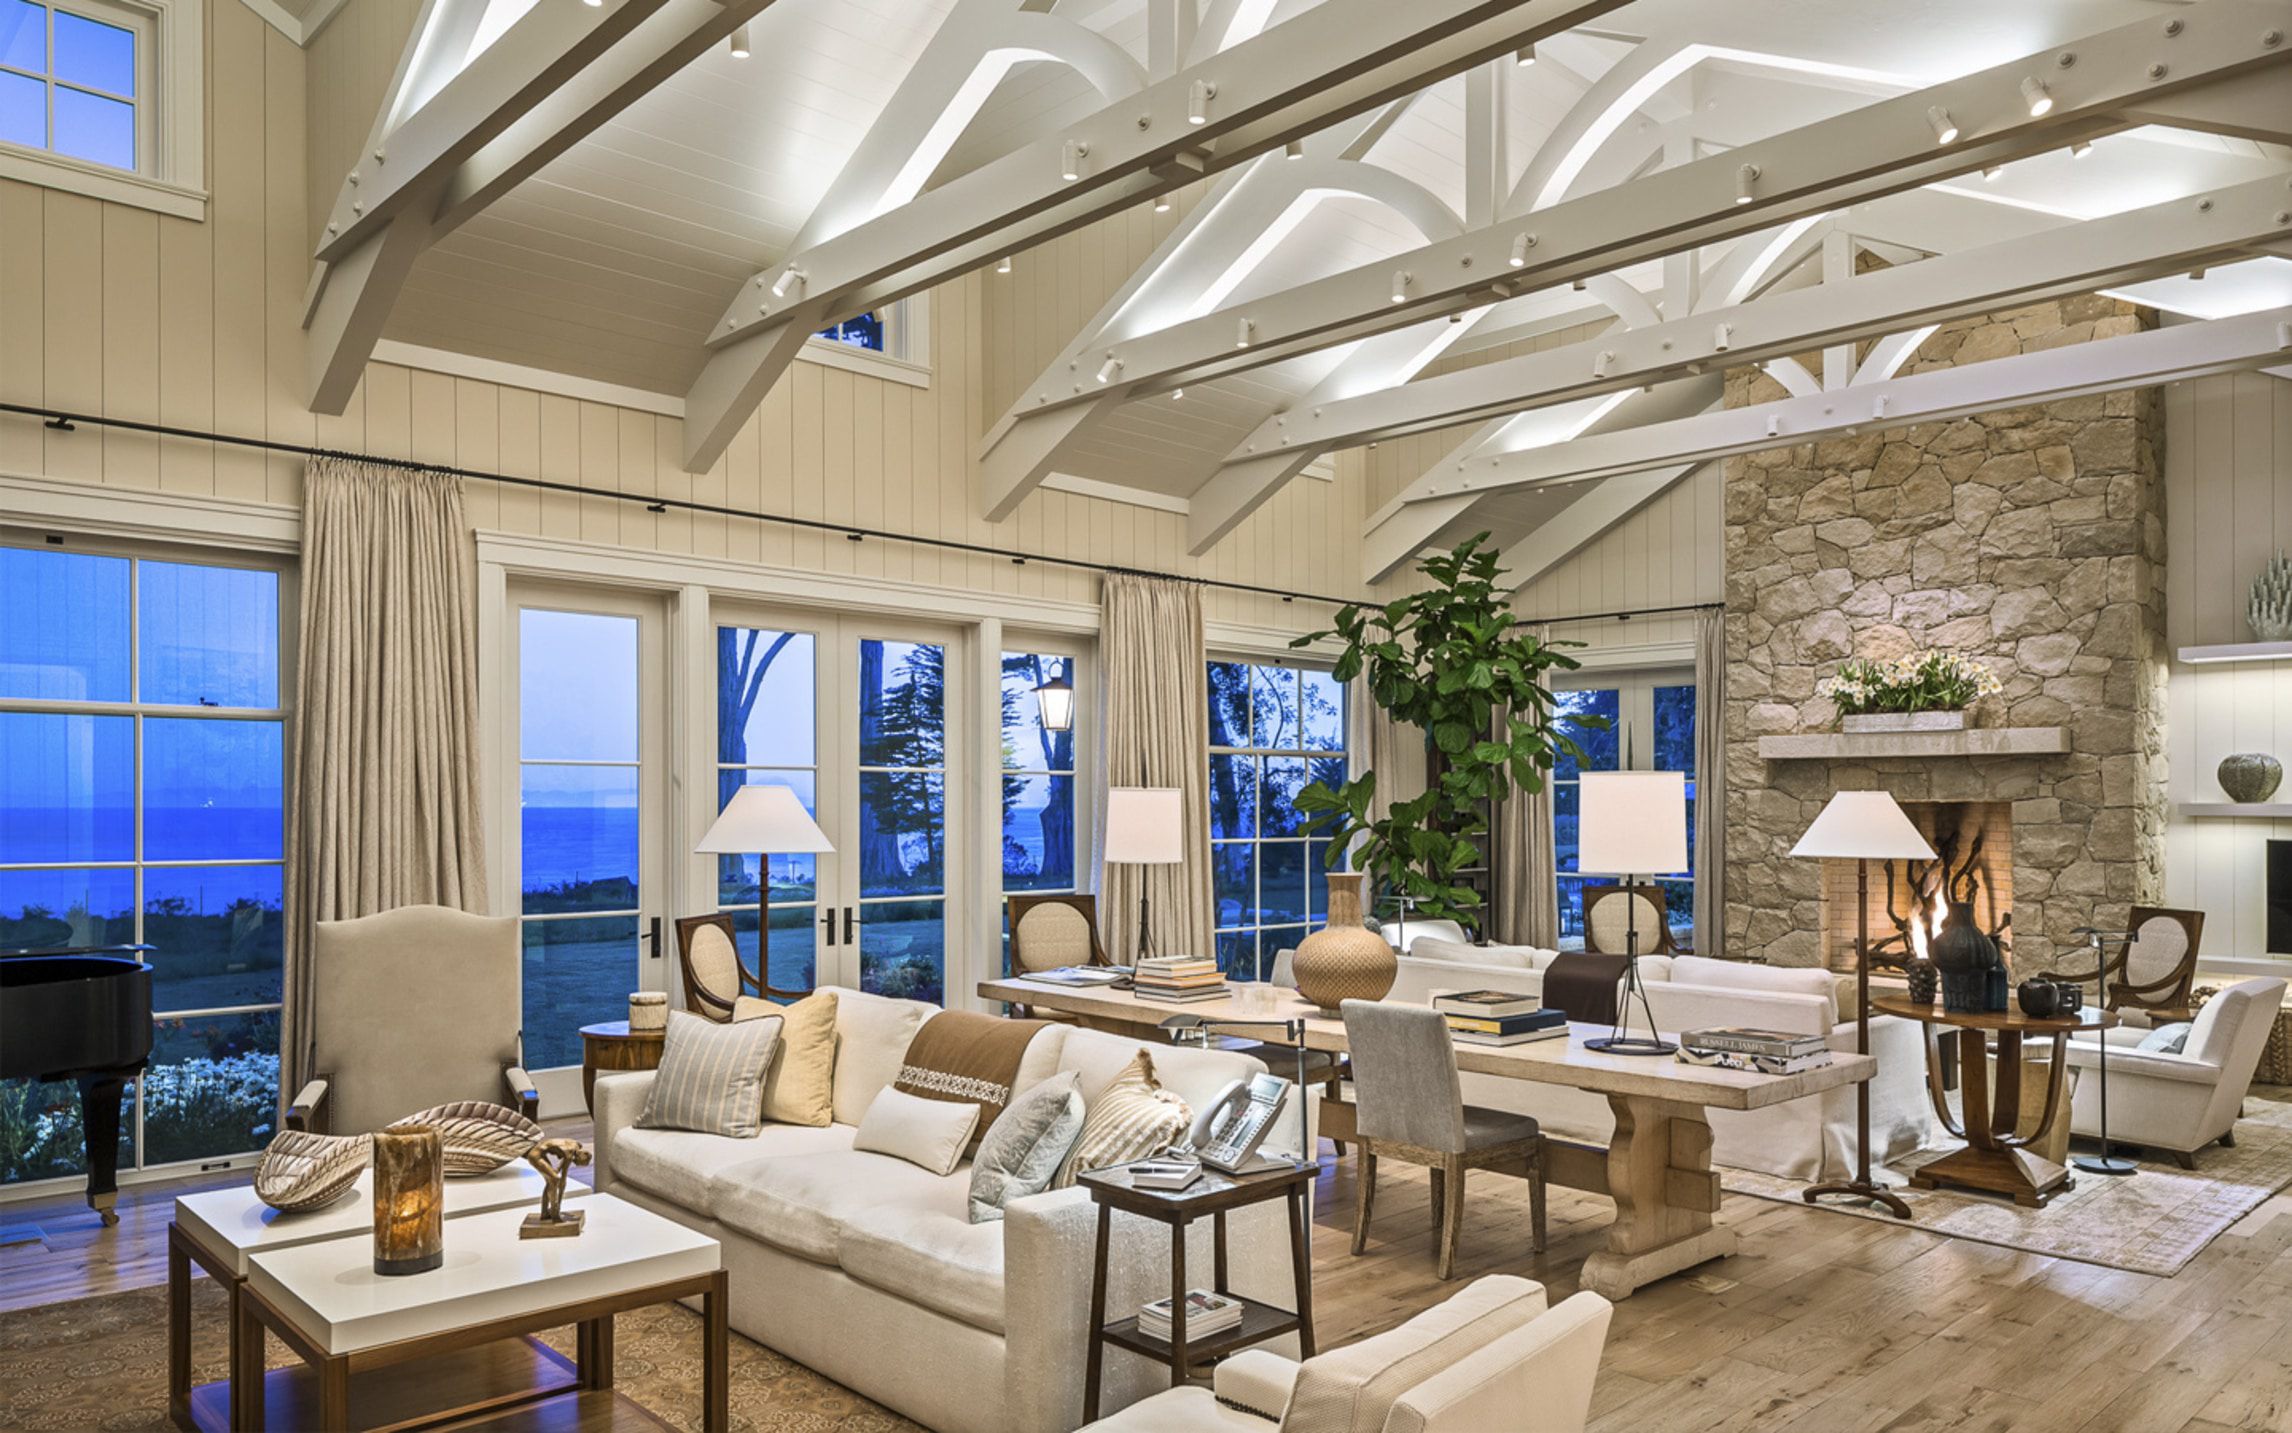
(2228, 509)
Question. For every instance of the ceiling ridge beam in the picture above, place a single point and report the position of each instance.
(1334, 60)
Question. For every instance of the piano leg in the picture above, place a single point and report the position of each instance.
(99, 1126)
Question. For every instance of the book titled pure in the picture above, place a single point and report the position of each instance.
(1743, 1040)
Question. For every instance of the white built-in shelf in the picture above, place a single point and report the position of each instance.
(1880, 745)
(2234, 810)
(2238, 652)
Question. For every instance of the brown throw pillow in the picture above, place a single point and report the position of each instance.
(969, 1058)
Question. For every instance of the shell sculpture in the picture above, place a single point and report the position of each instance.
(301, 1170)
(477, 1136)
(2270, 611)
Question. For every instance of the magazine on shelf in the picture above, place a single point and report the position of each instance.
(1206, 1313)
(1491, 1004)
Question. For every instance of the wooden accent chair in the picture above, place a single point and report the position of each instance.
(2154, 975)
(1050, 931)
(714, 977)
(1608, 919)
(1411, 1107)
(411, 1008)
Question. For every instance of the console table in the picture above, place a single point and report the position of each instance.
(1657, 1167)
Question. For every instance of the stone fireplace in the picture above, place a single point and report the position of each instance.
(2031, 540)
(1973, 846)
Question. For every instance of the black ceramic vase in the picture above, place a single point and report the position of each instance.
(1967, 959)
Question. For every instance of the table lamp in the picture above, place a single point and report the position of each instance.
(763, 821)
(1862, 826)
(1145, 826)
(1631, 823)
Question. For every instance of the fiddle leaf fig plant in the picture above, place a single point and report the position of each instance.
(1449, 661)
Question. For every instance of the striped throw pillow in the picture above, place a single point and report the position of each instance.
(1132, 1118)
(711, 1077)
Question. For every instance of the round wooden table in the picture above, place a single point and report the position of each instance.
(610, 1046)
(1995, 1159)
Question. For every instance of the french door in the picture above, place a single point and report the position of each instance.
(590, 743)
(857, 717)
(1649, 718)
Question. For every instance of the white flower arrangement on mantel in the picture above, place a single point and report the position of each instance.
(1925, 691)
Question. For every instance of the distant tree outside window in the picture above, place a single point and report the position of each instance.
(1273, 730)
(1651, 727)
(866, 332)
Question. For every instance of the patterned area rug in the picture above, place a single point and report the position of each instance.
(2152, 1222)
(101, 1364)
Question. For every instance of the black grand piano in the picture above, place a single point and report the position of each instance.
(81, 1013)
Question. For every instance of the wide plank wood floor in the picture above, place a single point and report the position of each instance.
(1822, 1324)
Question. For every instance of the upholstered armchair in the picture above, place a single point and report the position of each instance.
(411, 1008)
(2179, 1103)
(1493, 1359)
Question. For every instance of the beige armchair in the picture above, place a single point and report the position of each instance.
(2179, 1103)
(411, 1008)
(1493, 1359)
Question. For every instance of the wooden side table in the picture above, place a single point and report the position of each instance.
(1996, 1159)
(612, 1046)
(1214, 1194)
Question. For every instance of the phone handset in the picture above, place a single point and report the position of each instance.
(1230, 1127)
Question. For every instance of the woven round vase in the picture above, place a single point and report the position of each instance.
(1344, 960)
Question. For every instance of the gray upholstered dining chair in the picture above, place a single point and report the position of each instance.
(413, 1008)
(1411, 1107)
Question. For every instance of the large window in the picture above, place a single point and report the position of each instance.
(1039, 835)
(142, 799)
(1650, 727)
(1273, 731)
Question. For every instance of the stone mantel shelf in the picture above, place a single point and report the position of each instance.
(2239, 810)
(1883, 745)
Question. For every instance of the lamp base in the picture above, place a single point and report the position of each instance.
(1858, 1189)
(2104, 1164)
(1629, 1045)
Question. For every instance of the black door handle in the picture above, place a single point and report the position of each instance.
(653, 937)
(828, 924)
(847, 925)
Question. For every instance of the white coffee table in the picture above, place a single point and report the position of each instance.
(221, 1230)
(324, 1301)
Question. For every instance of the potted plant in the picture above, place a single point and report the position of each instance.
(1925, 691)
(1450, 661)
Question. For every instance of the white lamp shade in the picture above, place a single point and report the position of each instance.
(1632, 823)
(1145, 826)
(763, 820)
(1863, 826)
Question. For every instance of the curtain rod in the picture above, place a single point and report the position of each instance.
(1624, 616)
(65, 422)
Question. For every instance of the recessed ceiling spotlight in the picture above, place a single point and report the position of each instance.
(2039, 98)
(1524, 56)
(1945, 128)
(2080, 148)
(1070, 157)
(1746, 183)
(741, 49)
(1003, 265)
(1198, 102)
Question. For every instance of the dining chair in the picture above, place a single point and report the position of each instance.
(1611, 912)
(1410, 1106)
(1051, 931)
(708, 953)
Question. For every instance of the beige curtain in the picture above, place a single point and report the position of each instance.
(1154, 676)
(1526, 896)
(384, 810)
(1710, 782)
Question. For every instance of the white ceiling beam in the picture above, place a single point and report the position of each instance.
(1336, 59)
(1569, 531)
(1880, 149)
(2126, 248)
(430, 164)
(2258, 108)
(2165, 355)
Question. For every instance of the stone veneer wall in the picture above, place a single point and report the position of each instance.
(2032, 539)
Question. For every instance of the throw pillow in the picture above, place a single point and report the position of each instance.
(800, 1090)
(711, 1077)
(961, 1055)
(1131, 1119)
(2167, 1039)
(1021, 1155)
(931, 1134)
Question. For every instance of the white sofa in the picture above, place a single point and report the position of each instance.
(1492, 1359)
(866, 1267)
(1808, 1139)
(2179, 1103)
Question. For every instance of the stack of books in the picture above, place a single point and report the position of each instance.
(1499, 1017)
(1765, 1052)
(1177, 978)
(1165, 1174)
(1206, 1314)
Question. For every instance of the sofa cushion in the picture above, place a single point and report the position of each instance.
(711, 1076)
(1195, 1076)
(682, 1166)
(1352, 1389)
(872, 1035)
(929, 1134)
(928, 1255)
(1041, 1060)
(799, 1087)
(1773, 979)
(799, 1202)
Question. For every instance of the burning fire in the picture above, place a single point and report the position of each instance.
(1918, 932)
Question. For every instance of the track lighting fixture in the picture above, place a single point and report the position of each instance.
(1243, 332)
(1945, 128)
(791, 277)
(1070, 157)
(1177, 393)
(1524, 56)
(1723, 337)
(1992, 171)
(741, 49)
(1746, 183)
(1003, 265)
(2078, 149)
(2037, 96)
(1108, 370)
(1295, 149)
(1198, 102)
(1161, 203)
(1400, 286)
(1520, 245)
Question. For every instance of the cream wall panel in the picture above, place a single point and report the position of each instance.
(2228, 509)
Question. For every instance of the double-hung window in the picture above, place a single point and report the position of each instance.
(1274, 730)
(1650, 719)
(142, 800)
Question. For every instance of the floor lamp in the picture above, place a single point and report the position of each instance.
(1145, 826)
(2104, 1162)
(1862, 826)
(764, 821)
(1631, 823)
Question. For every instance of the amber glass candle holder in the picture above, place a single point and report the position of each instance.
(409, 1200)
